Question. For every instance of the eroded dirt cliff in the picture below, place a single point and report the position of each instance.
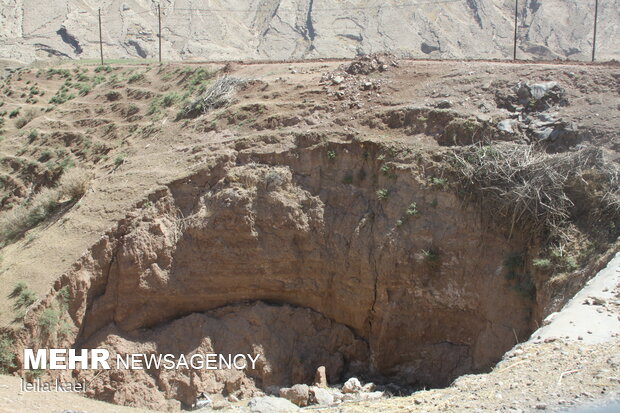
(334, 203)
(388, 274)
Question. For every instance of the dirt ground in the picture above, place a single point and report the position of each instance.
(553, 376)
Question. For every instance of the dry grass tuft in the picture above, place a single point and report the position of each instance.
(15, 222)
(534, 189)
(74, 184)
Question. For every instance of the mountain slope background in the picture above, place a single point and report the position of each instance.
(293, 29)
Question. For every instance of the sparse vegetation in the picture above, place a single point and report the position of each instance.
(65, 73)
(25, 119)
(530, 188)
(196, 78)
(436, 181)
(542, 263)
(17, 221)
(113, 95)
(83, 89)
(431, 255)
(382, 194)
(49, 320)
(23, 298)
(62, 96)
(32, 135)
(412, 209)
(331, 154)
(165, 101)
(216, 96)
(74, 184)
(7, 357)
(136, 77)
(132, 109)
(105, 68)
(119, 160)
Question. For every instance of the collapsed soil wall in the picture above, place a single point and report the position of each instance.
(394, 274)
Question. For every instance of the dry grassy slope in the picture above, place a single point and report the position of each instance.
(156, 148)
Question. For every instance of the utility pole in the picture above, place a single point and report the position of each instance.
(100, 39)
(514, 52)
(159, 20)
(595, 21)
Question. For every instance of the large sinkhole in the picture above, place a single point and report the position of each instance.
(346, 254)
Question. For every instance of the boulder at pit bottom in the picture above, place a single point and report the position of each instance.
(271, 404)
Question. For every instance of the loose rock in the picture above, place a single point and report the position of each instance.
(270, 404)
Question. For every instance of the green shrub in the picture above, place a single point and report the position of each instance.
(64, 295)
(331, 154)
(162, 101)
(61, 97)
(197, 78)
(382, 194)
(24, 299)
(18, 289)
(15, 222)
(113, 95)
(83, 89)
(32, 135)
(49, 320)
(82, 77)
(170, 99)
(153, 106)
(570, 263)
(62, 72)
(46, 155)
(25, 119)
(7, 357)
(14, 113)
(20, 122)
(136, 77)
(105, 68)
(119, 160)
(412, 209)
(542, 263)
(98, 79)
(132, 109)
(442, 182)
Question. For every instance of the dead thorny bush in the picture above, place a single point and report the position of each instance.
(218, 95)
(531, 188)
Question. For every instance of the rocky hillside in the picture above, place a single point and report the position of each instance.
(284, 29)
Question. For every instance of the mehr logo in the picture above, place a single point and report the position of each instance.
(98, 359)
